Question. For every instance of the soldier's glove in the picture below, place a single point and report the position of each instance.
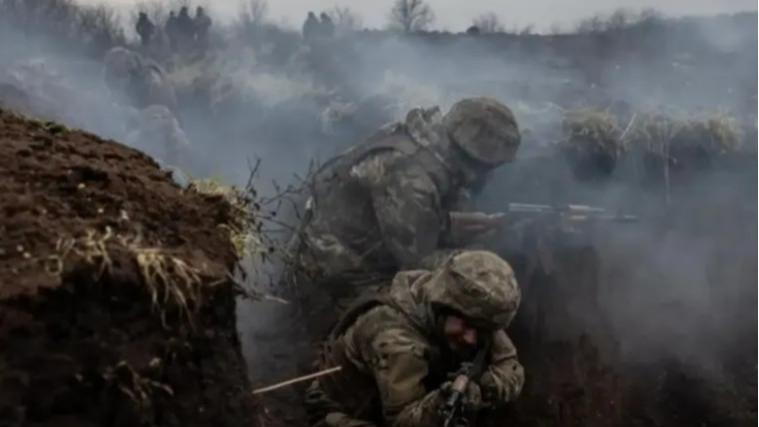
(489, 389)
(471, 401)
(465, 227)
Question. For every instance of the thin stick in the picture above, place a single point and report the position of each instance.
(297, 380)
(627, 129)
(666, 174)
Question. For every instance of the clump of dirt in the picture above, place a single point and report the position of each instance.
(115, 303)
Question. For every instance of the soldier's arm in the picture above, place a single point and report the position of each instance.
(399, 369)
(503, 379)
(407, 207)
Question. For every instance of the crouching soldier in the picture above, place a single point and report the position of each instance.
(156, 131)
(137, 79)
(401, 350)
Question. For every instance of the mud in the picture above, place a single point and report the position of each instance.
(91, 333)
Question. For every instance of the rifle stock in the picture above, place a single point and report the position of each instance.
(452, 407)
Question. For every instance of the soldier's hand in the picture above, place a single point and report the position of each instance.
(476, 222)
(489, 388)
(466, 226)
(473, 401)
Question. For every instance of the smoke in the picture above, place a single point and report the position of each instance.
(682, 286)
(670, 284)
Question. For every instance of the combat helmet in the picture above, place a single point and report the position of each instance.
(479, 285)
(121, 62)
(484, 129)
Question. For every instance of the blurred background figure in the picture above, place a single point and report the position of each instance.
(145, 29)
(202, 26)
(310, 27)
(172, 30)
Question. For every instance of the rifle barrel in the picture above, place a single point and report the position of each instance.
(529, 208)
(574, 212)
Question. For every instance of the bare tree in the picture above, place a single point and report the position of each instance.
(621, 18)
(251, 18)
(258, 10)
(618, 20)
(594, 24)
(488, 23)
(345, 19)
(100, 26)
(56, 17)
(527, 30)
(99, 18)
(649, 17)
(411, 15)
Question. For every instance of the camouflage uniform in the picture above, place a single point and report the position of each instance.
(384, 205)
(395, 365)
(145, 28)
(156, 131)
(310, 26)
(141, 80)
(202, 24)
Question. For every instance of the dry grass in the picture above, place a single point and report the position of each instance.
(92, 248)
(724, 131)
(717, 133)
(590, 129)
(653, 132)
(170, 281)
(243, 226)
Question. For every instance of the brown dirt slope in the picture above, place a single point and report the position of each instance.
(114, 308)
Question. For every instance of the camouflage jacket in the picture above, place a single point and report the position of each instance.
(383, 205)
(393, 365)
(156, 131)
(140, 80)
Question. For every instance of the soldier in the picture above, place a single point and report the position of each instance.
(172, 31)
(398, 350)
(145, 28)
(139, 79)
(156, 131)
(202, 26)
(185, 29)
(326, 26)
(310, 27)
(394, 202)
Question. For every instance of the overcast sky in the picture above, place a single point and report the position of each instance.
(456, 15)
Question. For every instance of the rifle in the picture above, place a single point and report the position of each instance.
(469, 371)
(467, 224)
(537, 230)
(571, 212)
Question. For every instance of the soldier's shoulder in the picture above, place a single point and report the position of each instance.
(385, 329)
(378, 318)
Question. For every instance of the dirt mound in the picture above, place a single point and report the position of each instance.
(115, 308)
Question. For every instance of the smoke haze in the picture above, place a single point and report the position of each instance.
(681, 284)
